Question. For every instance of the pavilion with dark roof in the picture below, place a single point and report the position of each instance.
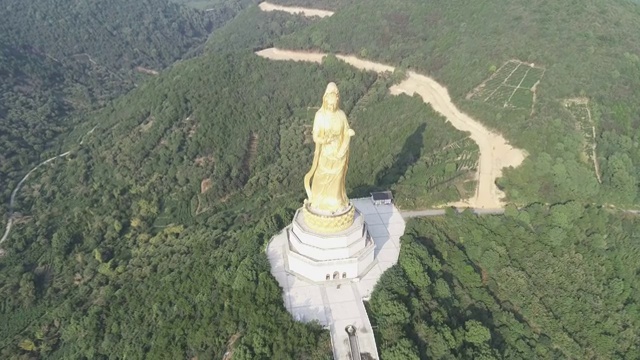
(382, 197)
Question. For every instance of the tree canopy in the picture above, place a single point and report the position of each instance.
(187, 153)
(538, 283)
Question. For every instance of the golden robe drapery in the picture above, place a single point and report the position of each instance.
(325, 182)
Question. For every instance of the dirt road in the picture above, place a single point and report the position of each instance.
(12, 201)
(266, 6)
(495, 152)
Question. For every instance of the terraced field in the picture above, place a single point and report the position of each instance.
(512, 85)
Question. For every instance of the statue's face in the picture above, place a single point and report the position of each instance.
(332, 101)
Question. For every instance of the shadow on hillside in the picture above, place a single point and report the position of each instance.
(405, 159)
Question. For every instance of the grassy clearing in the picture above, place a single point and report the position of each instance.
(522, 98)
(579, 109)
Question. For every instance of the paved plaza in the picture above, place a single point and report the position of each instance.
(338, 303)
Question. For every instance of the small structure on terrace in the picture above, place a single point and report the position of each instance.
(382, 198)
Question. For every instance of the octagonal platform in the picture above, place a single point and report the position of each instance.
(338, 303)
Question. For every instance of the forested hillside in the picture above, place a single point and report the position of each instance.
(587, 51)
(59, 59)
(161, 214)
(116, 34)
(40, 97)
(147, 240)
(254, 29)
(554, 282)
(158, 247)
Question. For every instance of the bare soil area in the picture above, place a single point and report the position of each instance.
(266, 6)
(495, 151)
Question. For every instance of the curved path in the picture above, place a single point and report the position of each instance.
(495, 152)
(266, 6)
(12, 201)
(7, 231)
(439, 212)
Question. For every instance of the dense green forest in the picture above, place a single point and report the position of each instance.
(133, 266)
(254, 29)
(62, 59)
(40, 97)
(147, 240)
(116, 34)
(173, 196)
(555, 282)
(586, 51)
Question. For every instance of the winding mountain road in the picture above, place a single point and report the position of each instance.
(439, 212)
(495, 151)
(267, 6)
(12, 201)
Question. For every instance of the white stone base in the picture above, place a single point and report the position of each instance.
(338, 303)
(348, 254)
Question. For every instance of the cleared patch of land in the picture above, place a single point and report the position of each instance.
(512, 85)
(495, 152)
(579, 108)
(266, 6)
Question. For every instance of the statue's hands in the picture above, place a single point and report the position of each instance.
(350, 132)
(324, 140)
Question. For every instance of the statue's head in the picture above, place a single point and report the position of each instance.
(331, 98)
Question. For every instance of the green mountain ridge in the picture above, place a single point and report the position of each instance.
(116, 34)
(62, 59)
(208, 156)
(147, 240)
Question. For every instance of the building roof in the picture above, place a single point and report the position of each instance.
(381, 195)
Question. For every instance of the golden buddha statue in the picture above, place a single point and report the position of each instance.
(325, 182)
